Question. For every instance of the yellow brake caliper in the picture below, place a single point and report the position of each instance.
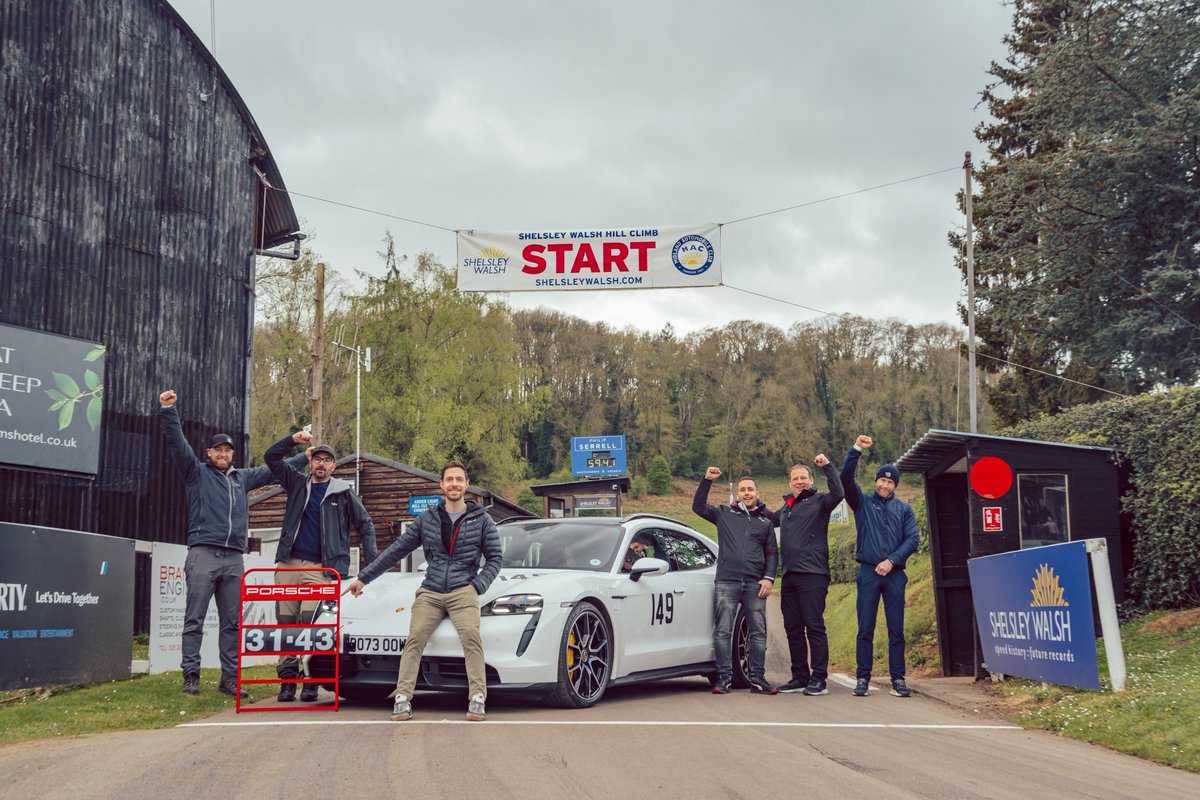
(571, 650)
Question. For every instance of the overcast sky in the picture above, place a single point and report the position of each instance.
(551, 115)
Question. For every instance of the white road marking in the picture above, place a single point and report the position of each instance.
(600, 723)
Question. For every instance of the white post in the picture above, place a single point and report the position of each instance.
(358, 420)
(1110, 628)
(970, 242)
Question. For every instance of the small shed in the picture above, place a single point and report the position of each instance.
(391, 492)
(600, 495)
(993, 494)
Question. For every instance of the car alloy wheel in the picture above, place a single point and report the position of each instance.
(585, 658)
(741, 652)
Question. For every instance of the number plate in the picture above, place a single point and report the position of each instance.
(373, 645)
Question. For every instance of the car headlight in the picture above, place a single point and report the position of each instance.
(514, 604)
(325, 607)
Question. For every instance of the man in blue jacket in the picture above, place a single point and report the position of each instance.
(887, 536)
(455, 535)
(746, 563)
(317, 519)
(218, 522)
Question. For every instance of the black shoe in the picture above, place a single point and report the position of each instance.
(760, 686)
(794, 685)
(191, 684)
(721, 687)
(231, 688)
(815, 687)
(862, 687)
(899, 689)
(287, 693)
(309, 693)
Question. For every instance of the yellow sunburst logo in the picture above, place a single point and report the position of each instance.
(1046, 591)
(492, 252)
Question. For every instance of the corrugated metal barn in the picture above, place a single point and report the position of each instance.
(135, 187)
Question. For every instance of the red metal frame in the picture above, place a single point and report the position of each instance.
(269, 592)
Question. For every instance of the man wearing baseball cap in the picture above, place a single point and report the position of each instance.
(887, 536)
(218, 522)
(317, 519)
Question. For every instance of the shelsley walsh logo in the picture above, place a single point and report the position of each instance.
(490, 261)
(1046, 591)
(693, 254)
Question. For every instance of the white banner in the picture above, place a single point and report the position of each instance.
(168, 599)
(622, 258)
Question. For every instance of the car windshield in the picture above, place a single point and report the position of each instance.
(560, 544)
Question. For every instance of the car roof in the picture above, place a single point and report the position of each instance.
(604, 521)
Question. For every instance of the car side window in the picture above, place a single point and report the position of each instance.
(652, 543)
(689, 552)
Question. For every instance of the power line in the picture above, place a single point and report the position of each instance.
(364, 210)
(840, 196)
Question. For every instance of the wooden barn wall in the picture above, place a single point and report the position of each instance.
(127, 218)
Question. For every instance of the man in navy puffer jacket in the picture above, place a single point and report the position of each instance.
(455, 535)
(887, 536)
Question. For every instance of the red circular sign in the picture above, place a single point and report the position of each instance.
(991, 477)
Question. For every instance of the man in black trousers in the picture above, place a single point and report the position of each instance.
(803, 522)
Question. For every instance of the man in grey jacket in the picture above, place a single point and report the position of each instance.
(218, 522)
(455, 535)
(317, 519)
(746, 563)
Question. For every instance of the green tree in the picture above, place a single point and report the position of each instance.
(1089, 242)
(659, 476)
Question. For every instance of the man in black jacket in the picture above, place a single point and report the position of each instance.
(454, 535)
(803, 523)
(317, 519)
(218, 522)
(746, 563)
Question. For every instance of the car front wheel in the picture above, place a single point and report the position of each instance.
(585, 658)
(741, 652)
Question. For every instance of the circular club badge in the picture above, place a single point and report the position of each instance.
(693, 254)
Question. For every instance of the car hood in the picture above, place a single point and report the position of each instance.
(393, 592)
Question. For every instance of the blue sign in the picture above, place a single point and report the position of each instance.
(421, 503)
(1034, 612)
(597, 456)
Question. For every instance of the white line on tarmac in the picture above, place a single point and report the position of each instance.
(601, 723)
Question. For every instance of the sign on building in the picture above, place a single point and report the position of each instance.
(51, 400)
(641, 257)
(419, 504)
(66, 606)
(597, 456)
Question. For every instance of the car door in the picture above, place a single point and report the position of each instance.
(696, 564)
(651, 616)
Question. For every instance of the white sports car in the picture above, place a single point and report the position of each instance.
(581, 604)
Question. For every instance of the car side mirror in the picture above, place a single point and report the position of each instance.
(648, 566)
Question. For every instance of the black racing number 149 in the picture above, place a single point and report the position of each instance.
(662, 609)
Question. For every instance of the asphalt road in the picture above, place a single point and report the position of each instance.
(672, 739)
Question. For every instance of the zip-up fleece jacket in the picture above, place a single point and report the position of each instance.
(449, 568)
(887, 528)
(341, 508)
(747, 549)
(217, 513)
(803, 522)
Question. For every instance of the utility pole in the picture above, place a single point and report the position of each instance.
(970, 293)
(318, 354)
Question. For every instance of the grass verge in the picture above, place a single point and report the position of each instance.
(145, 701)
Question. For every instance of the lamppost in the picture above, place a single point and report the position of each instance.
(362, 359)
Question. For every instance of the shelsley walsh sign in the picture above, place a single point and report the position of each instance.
(616, 258)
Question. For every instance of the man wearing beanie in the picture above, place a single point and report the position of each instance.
(887, 536)
(317, 519)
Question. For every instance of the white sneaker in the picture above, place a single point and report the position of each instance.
(475, 711)
(402, 709)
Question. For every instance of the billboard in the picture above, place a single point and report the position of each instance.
(1034, 612)
(597, 456)
(66, 606)
(168, 601)
(51, 400)
(642, 257)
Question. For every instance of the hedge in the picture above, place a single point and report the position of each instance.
(1158, 435)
